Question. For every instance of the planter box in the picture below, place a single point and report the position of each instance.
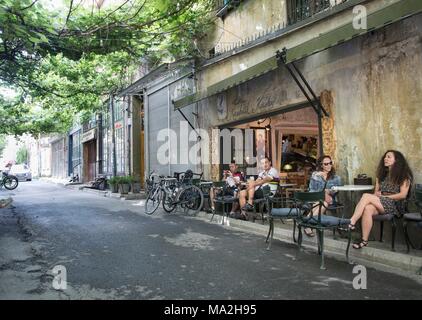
(124, 188)
(114, 188)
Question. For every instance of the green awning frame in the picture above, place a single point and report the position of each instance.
(239, 78)
(376, 20)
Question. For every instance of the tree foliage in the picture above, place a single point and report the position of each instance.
(63, 62)
(22, 155)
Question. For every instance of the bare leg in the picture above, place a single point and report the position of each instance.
(235, 205)
(212, 196)
(367, 220)
(315, 210)
(251, 193)
(242, 198)
(366, 199)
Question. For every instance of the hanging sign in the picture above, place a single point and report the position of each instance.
(87, 136)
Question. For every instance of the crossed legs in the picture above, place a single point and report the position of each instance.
(368, 206)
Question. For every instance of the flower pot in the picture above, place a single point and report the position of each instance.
(114, 188)
(124, 188)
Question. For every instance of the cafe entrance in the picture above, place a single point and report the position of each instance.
(290, 139)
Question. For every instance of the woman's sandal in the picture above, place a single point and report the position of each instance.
(359, 245)
(352, 226)
(309, 233)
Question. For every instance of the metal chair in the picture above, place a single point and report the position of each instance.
(402, 207)
(223, 199)
(288, 211)
(318, 222)
(262, 202)
(414, 217)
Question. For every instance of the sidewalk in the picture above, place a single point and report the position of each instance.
(86, 188)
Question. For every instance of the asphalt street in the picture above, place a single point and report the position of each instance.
(112, 250)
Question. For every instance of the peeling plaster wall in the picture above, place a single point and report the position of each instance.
(375, 93)
(377, 86)
(242, 23)
(249, 19)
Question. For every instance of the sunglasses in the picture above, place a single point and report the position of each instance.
(328, 163)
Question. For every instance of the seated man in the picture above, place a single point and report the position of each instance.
(233, 178)
(254, 189)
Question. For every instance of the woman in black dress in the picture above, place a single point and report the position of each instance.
(393, 181)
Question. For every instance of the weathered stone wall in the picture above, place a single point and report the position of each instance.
(253, 16)
(250, 19)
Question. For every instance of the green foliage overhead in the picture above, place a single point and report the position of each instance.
(22, 155)
(64, 62)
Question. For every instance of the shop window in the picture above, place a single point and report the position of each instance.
(223, 7)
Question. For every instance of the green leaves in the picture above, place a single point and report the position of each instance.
(64, 61)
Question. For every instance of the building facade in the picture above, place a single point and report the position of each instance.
(365, 77)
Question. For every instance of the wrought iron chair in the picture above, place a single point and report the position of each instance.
(224, 200)
(335, 208)
(318, 222)
(414, 217)
(262, 202)
(288, 211)
(402, 207)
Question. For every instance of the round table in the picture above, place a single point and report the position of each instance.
(352, 188)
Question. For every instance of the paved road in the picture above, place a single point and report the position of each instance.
(111, 250)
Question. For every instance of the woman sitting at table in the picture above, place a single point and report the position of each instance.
(324, 178)
(393, 181)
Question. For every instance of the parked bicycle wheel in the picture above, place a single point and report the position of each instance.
(191, 200)
(153, 200)
(168, 203)
(10, 182)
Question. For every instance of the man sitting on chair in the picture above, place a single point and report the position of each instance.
(233, 178)
(254, 189)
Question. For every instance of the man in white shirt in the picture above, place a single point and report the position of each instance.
(254, 189)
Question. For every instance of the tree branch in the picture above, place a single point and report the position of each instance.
(35, 1)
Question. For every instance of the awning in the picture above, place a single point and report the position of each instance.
(137, 86)
(239, 78)
(383, 17)
(388, 15)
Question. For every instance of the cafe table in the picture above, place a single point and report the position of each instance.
(352, 189)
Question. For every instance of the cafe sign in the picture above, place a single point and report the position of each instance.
(88, 136)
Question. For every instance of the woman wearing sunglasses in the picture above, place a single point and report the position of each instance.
(393, 181)
(324, 178)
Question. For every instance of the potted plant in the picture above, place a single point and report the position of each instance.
(124, 184)
(136, 184)
(114, 184)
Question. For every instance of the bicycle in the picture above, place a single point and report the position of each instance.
(10, 182)
(173, 193)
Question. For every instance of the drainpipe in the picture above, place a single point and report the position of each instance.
(113, 136)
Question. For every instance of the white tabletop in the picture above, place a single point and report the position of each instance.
(353, 187)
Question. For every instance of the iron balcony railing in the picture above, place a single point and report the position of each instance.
(298, 10)
(223, 6)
